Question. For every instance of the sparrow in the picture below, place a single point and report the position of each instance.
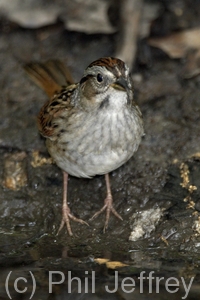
(91, 127)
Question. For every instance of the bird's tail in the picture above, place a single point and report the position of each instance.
(50, 76)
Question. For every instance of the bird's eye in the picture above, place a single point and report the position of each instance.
(99, 77)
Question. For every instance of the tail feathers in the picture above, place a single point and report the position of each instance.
(50, 76)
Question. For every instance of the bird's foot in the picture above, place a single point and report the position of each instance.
(66, 216)
(108, 206)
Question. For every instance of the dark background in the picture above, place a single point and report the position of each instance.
(156, 192)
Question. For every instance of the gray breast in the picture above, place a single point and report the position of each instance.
(105, 141)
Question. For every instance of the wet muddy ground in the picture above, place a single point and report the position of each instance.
(157, 192)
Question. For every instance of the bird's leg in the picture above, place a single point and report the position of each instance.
(108, 205)
(66, 215)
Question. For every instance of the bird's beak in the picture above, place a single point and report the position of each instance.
(121, 84)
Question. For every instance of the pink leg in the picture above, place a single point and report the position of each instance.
(66, 215)
(108, 206)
